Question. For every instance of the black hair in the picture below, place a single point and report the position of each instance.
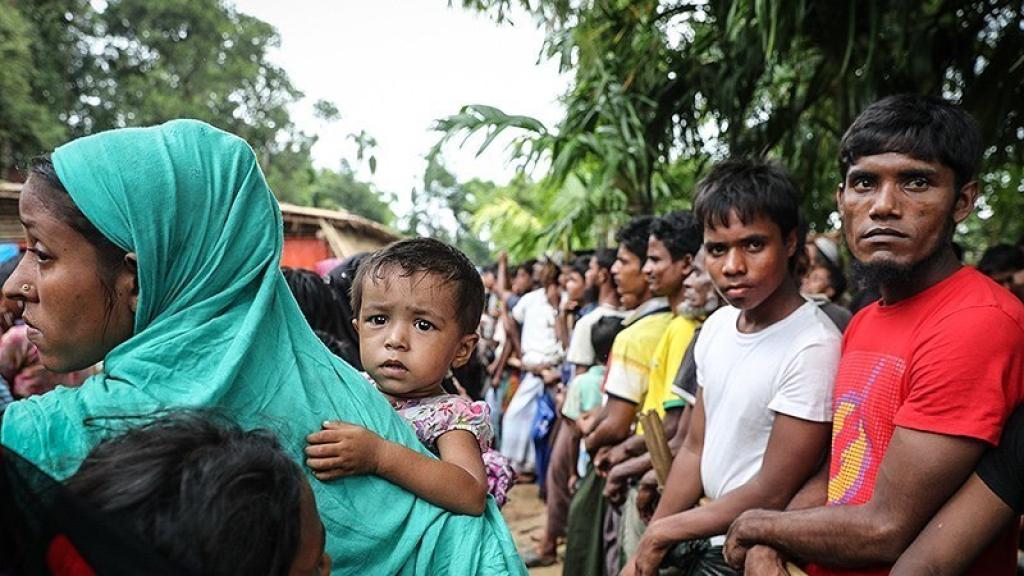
(679, 232)
(1001, 258)
(207, 495)
(110, 257)
(580, 265)
(925, 127)
(751, 188)
(836, 275)
(634, 235)
(339, 280)
(602, 336)
(605, 258)
(427, 256)
(316, 300)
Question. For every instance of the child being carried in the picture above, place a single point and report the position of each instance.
(418, 303)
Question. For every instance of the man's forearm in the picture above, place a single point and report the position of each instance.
(634, 467)
(675, 442)
(635, 445)
(814, 493)
(606, 433)
(839, 536)
(683, 487)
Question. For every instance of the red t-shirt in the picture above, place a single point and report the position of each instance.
(949, 360)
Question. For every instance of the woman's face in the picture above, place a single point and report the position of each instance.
(72, 318)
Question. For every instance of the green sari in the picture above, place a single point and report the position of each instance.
(216, 327)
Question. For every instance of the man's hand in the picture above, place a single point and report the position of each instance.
(736, 543)
(342, 449)
(764, 561)
(615, 487)
(648, 496)
(598, 458)
(650, 552)
(609, 457)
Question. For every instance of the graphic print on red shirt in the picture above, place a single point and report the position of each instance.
(950, 361)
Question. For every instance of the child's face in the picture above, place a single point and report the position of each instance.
(409, 333)
(748, 262)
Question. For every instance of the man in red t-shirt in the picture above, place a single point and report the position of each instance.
(928, 375)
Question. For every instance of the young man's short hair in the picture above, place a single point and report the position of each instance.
(634, 235)
(923, 127)
(602, 336)
(427, 256)
(605, 258)
(680, 232)
(580, 264)
(750, 188)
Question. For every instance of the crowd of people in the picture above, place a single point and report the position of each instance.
(716, 393)
(801, 437)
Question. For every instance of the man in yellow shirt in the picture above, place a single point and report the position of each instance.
(674, 240)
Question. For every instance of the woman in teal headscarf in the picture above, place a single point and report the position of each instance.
(180, 295)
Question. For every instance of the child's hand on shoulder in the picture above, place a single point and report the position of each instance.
(342, 449)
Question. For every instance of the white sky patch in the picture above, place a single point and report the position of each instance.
(392, 67)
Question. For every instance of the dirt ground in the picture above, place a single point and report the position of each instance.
(524, 513)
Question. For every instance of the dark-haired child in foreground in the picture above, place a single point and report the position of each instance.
(418, 303)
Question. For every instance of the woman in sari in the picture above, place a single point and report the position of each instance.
(156, 250)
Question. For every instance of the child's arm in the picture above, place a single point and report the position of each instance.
(457, 482)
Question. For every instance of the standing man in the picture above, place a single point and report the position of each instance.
(628, 367)
(928, 375)
(600, 287)
(765, 368)
(675, 239)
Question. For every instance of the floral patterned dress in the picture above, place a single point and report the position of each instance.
(432, 417)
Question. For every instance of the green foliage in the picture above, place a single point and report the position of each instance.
(326, 111)
(70, 69)
(443, 208)
(26, 128)
(663, 86)
(341, 190)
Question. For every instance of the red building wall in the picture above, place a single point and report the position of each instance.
(303, 252)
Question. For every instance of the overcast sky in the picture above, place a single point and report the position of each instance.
(392, 67)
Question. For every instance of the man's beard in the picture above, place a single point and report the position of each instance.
(887, 273)
(699, 313)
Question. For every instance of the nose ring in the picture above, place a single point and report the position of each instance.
(26, 287)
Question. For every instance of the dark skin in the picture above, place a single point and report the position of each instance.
(635, 460)
(616, 417)
(965, 526)
(897, 210)
(792, 455)
(876, 533)
(611, 427)
(749, 262)
(648, 496)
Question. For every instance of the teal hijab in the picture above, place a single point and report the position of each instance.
(216, 327)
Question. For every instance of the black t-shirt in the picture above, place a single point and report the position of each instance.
(685, 384)
(1002, 468)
